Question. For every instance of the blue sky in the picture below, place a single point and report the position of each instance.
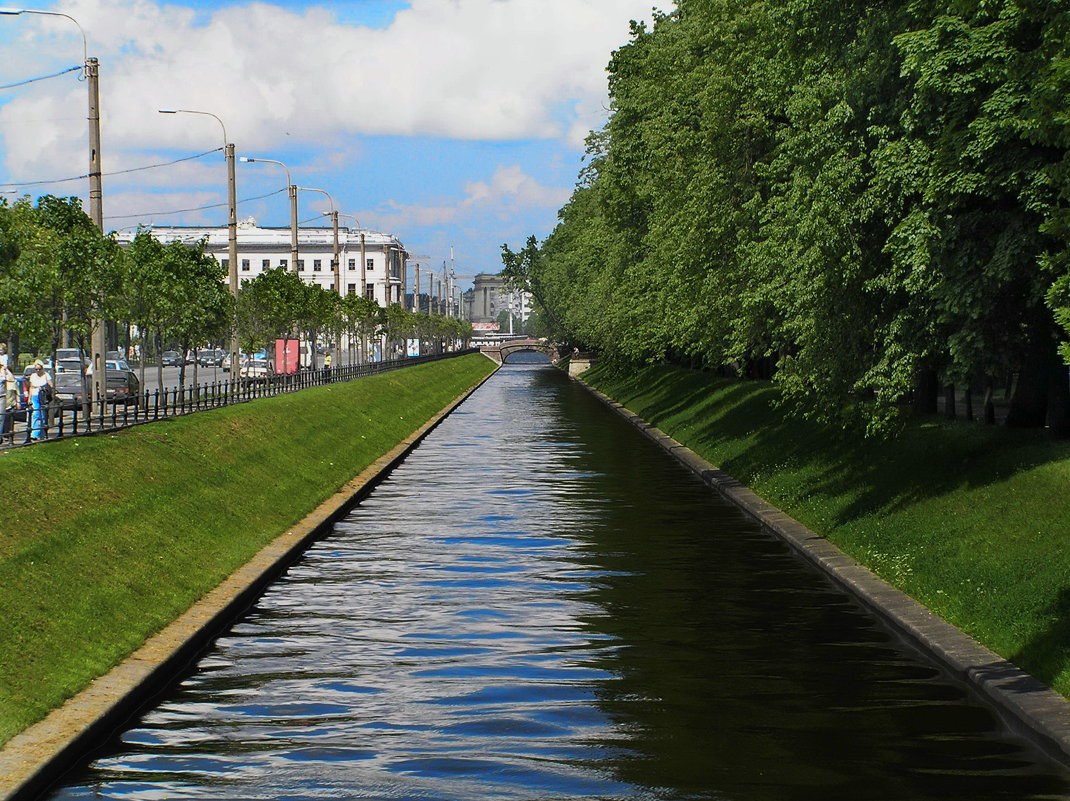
(450, 123)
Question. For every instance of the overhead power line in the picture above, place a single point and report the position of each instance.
(42, 78)
(184, 211)
(116, 172)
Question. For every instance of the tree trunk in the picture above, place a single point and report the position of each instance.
(926, 393)
(967, 399)
(950, 412)
(1059, 401)
(159, 368)
(1029, 403)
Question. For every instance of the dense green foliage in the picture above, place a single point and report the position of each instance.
(970, 520)
(863, 199)
(107, 539)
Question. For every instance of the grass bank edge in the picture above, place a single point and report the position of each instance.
(969, 520)
(108, 539)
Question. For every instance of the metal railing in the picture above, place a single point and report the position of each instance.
(59, 420)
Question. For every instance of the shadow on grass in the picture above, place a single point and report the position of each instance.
(1047, 653)
(927, 459)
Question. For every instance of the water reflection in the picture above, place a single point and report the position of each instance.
(540, 605)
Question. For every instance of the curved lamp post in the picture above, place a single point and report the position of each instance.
(232, 231)
(291, 188)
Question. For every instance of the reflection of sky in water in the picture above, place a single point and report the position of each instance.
(537, 605)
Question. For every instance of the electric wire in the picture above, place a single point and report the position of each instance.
(184, 211)
(42, 77)
(115, 172)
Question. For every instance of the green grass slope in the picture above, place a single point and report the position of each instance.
(105, 540)
(972, 521)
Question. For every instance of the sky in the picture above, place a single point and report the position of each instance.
(456, 125)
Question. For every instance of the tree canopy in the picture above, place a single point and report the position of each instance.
(862, 200)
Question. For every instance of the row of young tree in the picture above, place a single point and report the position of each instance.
(58, 274)
(865, 200)
(278, 304)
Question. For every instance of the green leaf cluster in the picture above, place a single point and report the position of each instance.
(859, 199)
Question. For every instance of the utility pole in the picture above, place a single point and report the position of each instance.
(99, 340)
(416, 290)
(337, 267)
(293, 223)
(232, 236)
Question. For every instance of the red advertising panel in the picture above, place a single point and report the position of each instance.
(287, 356)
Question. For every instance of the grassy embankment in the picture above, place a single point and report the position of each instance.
(972, 521)
(105, 540)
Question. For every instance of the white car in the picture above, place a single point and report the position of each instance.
(254, 369)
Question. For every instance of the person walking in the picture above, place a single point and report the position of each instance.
(327, 366)
(8, 396)
(40, 396)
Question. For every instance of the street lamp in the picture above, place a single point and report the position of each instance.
(232, 229)
(292, 189)
(333, 214)
(336, 268)
(91, 71)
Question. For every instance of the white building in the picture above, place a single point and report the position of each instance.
(370, 263)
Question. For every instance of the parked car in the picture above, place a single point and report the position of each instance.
(68, 355)
(172, 358)
(70, 366)
(254, 370)
(123, 387)
(22, 398)
(213, 357)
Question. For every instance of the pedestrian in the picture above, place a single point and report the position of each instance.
(327, 366)
(40, 396)
(8, 396)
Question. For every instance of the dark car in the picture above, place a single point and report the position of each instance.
(212, 358)
(172, 358)
(123, 387)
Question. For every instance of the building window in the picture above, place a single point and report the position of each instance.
(225, 262)
(352, 264)
(317, 265)
(266, 264)
(283, 263)
(300, 265)
(369, 291)
(245, 265)
(351, 289)
(370, 264)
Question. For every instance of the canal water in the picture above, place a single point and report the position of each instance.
(539, 604)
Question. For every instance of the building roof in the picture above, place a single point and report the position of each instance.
(252, 235)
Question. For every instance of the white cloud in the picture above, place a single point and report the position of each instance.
(509, 191)
(467, 69)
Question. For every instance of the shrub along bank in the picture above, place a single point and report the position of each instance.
(105, 540)
(970, 520)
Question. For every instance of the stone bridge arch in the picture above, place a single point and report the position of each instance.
(500, 351)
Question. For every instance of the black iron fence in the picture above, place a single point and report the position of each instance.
(58, 419)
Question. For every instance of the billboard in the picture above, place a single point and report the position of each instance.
(287, 356)
(486, 327)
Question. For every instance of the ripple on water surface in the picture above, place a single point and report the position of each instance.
(539, 605)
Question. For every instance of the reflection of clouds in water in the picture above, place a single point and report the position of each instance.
(536, 604)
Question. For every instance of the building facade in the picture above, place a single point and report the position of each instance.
(370, 263)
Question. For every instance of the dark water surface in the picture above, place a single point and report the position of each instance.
(539, 604)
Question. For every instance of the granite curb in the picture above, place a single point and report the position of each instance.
(37, 757)
(1025, 705)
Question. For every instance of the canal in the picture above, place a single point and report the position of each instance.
(540, 604)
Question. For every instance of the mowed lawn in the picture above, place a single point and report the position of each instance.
(971, 520)
(105, 540)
